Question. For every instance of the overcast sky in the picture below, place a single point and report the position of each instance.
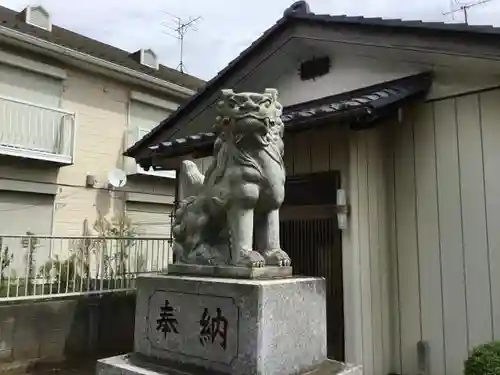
(226, 26)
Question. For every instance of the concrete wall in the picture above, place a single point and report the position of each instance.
(66, 329)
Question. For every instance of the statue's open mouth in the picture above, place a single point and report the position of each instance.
(258, 116)
(251, 124)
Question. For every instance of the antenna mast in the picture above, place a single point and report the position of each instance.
(181, 28)
(464, 8)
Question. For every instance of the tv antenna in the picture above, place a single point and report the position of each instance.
(180, 28)
(461, 7)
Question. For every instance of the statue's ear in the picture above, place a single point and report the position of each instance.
(227, 92)
(273, 93)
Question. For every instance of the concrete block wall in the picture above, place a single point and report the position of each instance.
(71, 328)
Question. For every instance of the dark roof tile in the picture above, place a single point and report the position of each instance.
(9, 18)
(363, 106)
(330, 20)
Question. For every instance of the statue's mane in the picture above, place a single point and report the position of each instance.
(228, 145)
(248, 152)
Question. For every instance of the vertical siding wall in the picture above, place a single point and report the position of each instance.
(421, 255)
(359, 156)
(368, 249)
(316, 151)
(444, 185)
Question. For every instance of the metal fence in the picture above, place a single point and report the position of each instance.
(42, 267)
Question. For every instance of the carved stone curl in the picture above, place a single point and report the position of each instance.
(241, 192)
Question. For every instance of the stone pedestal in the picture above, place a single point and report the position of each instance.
(127, 365)
(191, 325)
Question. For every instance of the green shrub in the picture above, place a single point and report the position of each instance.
(484, 360)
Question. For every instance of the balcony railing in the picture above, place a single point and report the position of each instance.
(33, 267)
(134, 168)
(34, 131)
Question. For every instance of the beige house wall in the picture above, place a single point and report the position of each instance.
(101, 107)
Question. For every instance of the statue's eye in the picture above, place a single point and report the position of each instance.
(232, 104)
(267, 103)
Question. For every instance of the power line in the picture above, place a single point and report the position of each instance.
(180, 28)
(463, 8)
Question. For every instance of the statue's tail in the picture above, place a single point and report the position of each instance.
(190, 181)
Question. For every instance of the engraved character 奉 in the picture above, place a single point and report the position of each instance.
(167, 322)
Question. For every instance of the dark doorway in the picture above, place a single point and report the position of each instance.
(310, 235)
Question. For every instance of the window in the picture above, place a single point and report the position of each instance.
(151, 220)
(143, 118)
(146, 116)
(29, 86)
(22, 212)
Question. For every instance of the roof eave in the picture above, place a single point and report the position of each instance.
(108, 68)
(284, 22)
(214, 84)
(361, 108)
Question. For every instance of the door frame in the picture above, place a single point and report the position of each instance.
(311, 208)
(334, 146)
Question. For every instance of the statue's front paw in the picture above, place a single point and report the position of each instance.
(251, 259)
(277, 257)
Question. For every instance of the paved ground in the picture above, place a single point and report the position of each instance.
(82, 368)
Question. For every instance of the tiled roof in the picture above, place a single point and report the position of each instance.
(361, 107)
(402, 24)
(63, 37)
(302, 15)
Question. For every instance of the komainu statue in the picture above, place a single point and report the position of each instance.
(242, 191)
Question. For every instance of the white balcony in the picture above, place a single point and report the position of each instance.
(132, 168)
(151, 172)
(34, 131)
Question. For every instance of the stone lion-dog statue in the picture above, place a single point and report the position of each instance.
(241, 192)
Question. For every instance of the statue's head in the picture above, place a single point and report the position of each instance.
(247, 112)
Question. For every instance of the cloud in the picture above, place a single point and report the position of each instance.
(227, 26)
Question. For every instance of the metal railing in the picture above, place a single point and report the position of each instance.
(36, 128)
(42, 267)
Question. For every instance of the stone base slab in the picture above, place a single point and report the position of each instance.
(231, 326)
(125, 365)
(229, 271)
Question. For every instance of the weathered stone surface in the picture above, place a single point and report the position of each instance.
(127, 365)
(330, 367)
(124, 365)
(230, 271)
(240, 327)
(241, 192)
